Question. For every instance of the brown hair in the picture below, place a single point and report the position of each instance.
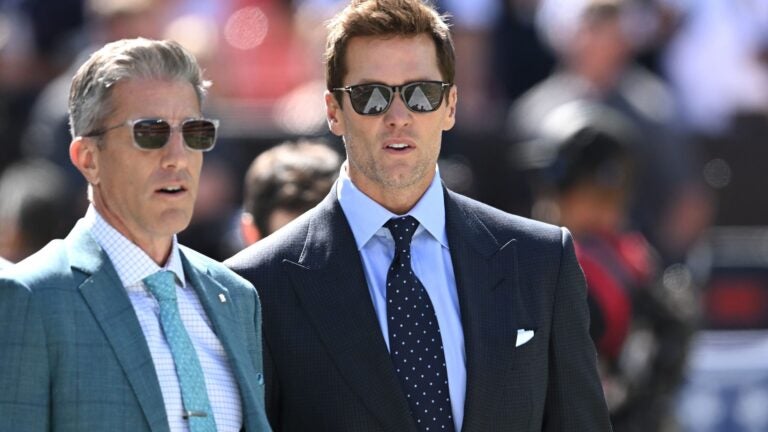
(290, 176)
(386, 18)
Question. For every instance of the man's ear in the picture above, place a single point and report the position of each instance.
(452, 99)
(248, 229)
(333, 114)
(83, 154)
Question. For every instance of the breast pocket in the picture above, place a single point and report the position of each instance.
(528, 347)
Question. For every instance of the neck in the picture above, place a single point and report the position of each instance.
(157, 248)
(397, 199)
(158, 251)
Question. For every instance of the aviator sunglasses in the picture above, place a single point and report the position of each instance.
(375, 99)
(154, 133)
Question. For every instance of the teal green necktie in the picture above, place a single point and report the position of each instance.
(197, 407)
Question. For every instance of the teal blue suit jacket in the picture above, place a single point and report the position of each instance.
(72, 353)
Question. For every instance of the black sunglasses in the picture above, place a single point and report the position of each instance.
(154, 133)
(375, 99)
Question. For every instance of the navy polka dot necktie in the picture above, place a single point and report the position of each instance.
(415, 344)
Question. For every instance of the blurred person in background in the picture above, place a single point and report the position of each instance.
(284, 182)
(118, 326)
(593, 40)
(36, 207)
(583, 168)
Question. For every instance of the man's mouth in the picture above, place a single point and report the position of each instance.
(172, 190)
(398, 146)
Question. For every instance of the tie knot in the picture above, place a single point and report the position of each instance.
(162, 285)
(402, 229)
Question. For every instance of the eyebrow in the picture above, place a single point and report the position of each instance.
(371, 81)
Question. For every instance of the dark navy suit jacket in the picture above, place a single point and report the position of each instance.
(327, 365)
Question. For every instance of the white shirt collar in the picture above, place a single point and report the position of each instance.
(366, 216)
(130, 261)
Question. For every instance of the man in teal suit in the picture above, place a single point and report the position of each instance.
(117, 327)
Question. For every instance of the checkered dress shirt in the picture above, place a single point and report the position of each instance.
(133, 265)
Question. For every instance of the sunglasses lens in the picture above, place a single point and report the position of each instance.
(199, 134)
(370, 99)
(423, 96)
(151, 134)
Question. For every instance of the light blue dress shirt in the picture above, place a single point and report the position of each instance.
(431, 261)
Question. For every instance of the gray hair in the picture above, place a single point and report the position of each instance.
(92, 85)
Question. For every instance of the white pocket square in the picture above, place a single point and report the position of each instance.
(523, 336)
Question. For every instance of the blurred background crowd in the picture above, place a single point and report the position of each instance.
(641, 125)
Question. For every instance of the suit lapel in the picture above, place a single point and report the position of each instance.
(330, 283)
(230, 332)
(107, 299)
(487, 289)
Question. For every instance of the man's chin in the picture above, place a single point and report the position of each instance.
(174, 221)
(405, 179)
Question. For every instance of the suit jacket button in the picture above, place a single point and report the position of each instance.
(260, 378)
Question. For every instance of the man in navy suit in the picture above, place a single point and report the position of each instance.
(398, 305)
(118, 327)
